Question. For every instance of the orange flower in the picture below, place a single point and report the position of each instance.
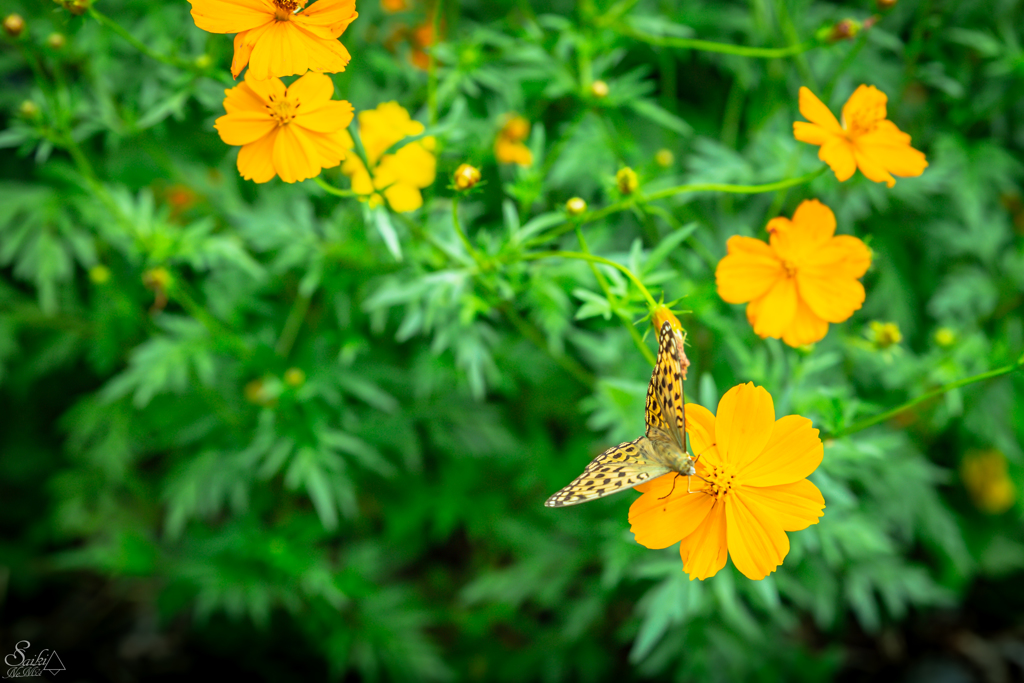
(866, 140)
(509, 147)
(803, 280)
(986, 478)
(755, 490)
(400, 175)
(392, 6)
(291, 132)
(275, 38)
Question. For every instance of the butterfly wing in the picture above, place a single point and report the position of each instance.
(617, 469)
(665, 401)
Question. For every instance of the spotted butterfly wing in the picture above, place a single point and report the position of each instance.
(617, 469)
(665, 400)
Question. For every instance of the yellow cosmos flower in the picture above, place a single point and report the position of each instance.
(755, 490)
(275, 38)
(509, 147)
(291, 132)
(804, 279)
(866, 140)
(398, 175)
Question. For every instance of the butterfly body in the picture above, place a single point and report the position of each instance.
(660, 451)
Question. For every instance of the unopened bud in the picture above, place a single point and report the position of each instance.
(294, 377)
(203, 62)
(157, 279)
(29, 109)
(844, 29)
(76, 7)
(664, 158)
(466, 177)
(885, 5)
(626, 180)
(885, 334)
(599, 89)
(99, 274)
(575, 206)
(945, 337)
(56, 41)
(14, 25)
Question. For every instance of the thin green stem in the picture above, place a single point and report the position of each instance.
(136, 43)
(671, 192)
(435, 23)
(292, 325)
(789, 29)
(458, 228)
(331, 189)
(928, 395)
(848, 60)
(595, 259)
(712, 46)
(614, 303)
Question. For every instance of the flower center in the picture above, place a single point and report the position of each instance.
(284, 9)
(720, 481)
(865, 120)
(283, 110)
(789, 267)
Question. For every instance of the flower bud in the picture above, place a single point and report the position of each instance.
(575, 206)
(599, 89)
(664, 158)
(99, 274)
(29, 109)
(663, 314)
(945, 337)
(158, 279)
(845, 29)
(885, 5)
(626, 180)
(76, 7)
(885, 335)
(14, 25)
(466, 177)
(56, 41)
(294, 377)
(203, 62)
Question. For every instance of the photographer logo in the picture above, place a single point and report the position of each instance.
(21, 665)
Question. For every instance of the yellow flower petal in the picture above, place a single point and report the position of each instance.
(805, 328)
(838, 154)
(843, 256)
(756, 540)
(705, 551)
(231, 16)
(812, 133)
(403, 197)
(812, 225)
(743, 424)
(658, 522)
(244, 127)
(792, 453)
(334, 14)
(772, 313)
(816, 112)
(864, 109)
(872, 168)
(328, 118)
(313, 90)
(281, 51)
(833, 299)
(793, 506)
(748, 271)
(700, 427)
(295, 158)
(255, 160)
(268, 90)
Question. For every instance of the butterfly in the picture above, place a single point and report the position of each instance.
(660, 451)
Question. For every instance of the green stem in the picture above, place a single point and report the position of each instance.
(595, 259)
(136, 43)
(848, 60)
(789, 29)
(435, 23)
(613, 302)
(679, 189)
(458, 228)
(336, 191)
(882, 417)
(711, 46)
(567, 363)
(292, 325)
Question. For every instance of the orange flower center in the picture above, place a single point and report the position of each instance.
(865, 120)
(284, 9)
(283, 110)
(789, 267)
(720, 481)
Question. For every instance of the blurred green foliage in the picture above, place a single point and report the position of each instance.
(379, 515)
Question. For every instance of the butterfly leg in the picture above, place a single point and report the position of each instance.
(674, 478)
